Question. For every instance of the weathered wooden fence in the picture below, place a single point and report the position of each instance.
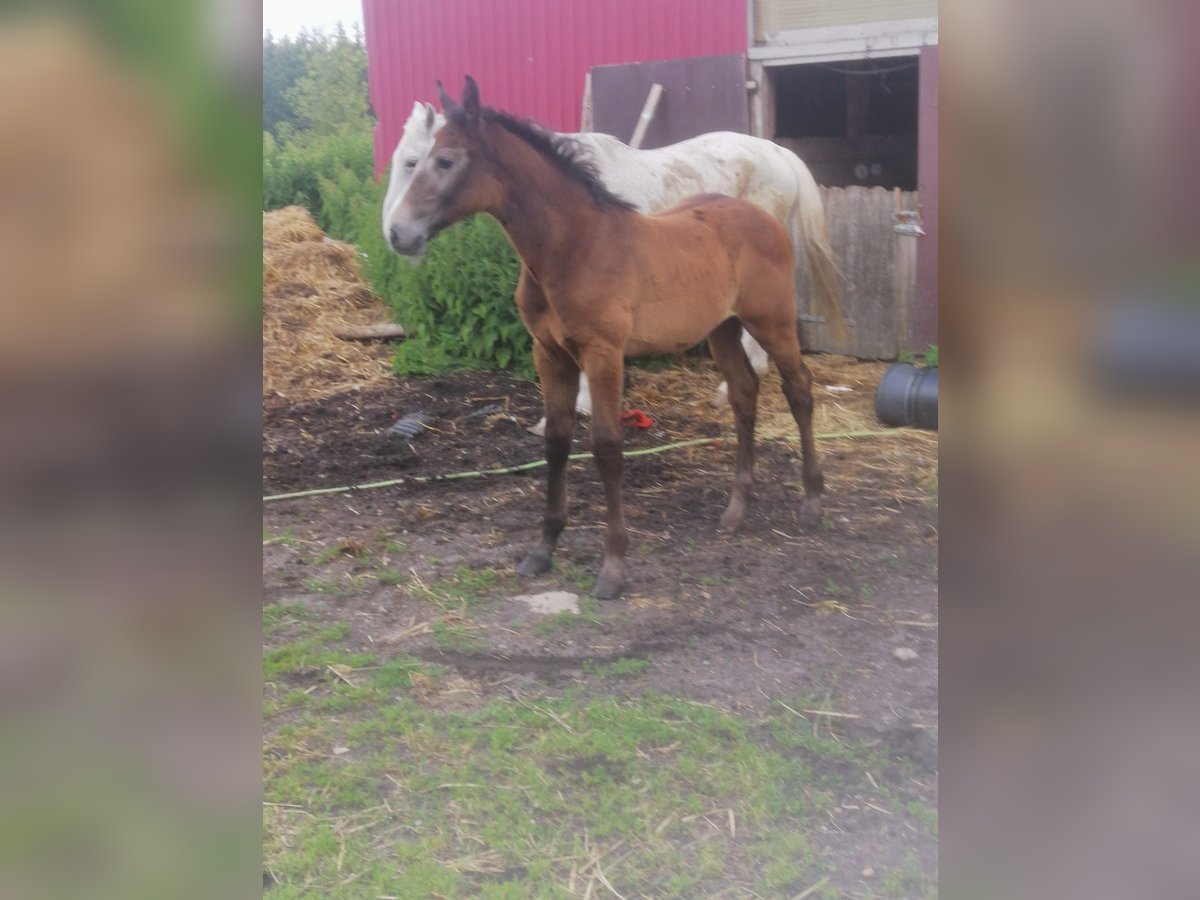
(878, 273)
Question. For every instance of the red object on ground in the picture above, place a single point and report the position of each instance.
(636, 419)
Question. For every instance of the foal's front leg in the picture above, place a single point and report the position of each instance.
(559, 377)
(604, 369)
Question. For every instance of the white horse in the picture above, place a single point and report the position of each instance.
(723, 162)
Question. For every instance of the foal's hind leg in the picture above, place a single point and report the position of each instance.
(726, 348)
(604, 367)
(559, 377)
(783, 346)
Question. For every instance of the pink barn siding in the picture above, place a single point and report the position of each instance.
(529, 56)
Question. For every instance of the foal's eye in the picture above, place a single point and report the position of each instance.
(410, 165)
(444, 162)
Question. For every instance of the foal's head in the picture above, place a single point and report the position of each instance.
(452, 181)
(472, 167)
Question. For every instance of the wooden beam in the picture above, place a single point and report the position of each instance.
(647, 115)
(904, 273)
(385, 332)
(586, 118)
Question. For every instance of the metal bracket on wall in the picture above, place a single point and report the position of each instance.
(910, 223)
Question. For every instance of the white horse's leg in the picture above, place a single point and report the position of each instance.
(583, 400)
(583, 404)
(758, 361)
(755, 353)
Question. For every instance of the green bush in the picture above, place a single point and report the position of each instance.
(457, 303)
(294, 167)
(929, 357)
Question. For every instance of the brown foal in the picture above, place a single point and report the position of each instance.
(600, 281)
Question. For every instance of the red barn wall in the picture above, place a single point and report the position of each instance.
(529, 56)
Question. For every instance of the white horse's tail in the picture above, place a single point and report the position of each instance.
(809, 232)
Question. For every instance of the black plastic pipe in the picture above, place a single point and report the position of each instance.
(908, 396)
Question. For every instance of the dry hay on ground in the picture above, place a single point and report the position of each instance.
(684, 394)
(311, 286)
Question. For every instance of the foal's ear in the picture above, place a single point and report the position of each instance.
(448, 105)
(430, 116)
(470, 98)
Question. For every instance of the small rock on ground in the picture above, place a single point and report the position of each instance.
(550, 602)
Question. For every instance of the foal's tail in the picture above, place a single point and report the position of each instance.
(809, 232)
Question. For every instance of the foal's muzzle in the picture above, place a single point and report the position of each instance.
(406, 243)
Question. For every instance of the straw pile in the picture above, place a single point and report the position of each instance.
(680, 401)
(843, 389)
(312, 286)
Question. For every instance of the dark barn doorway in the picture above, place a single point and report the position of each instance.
(854, 122)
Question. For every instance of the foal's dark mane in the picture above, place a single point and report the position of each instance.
(564, 153)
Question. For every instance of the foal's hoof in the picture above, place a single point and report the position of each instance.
(731, 520)
(810, 512)
(606, 589)
(610, 580)
(536, 562)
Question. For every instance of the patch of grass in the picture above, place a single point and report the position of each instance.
(626, 667)
(308, 653)
(345, 586)
(788, 862)
(287, 538)
(835, 590)
(396, 673)
(495, 801)
(465, 588)
(922, 813)
(469, 586)
(278, 616)
(906, 881)
(390, 577)
(326, 556)
(931, 492)
(392, 547)
(349, 548)
(455, 637)
(320, 586)
(588, 616)
(344, 697)
(893, 558)
(577, 577)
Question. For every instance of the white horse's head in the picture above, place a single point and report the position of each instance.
(415, 143)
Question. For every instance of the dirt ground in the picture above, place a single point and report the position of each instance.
(773, 615)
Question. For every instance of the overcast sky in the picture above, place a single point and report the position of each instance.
(287, 17)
